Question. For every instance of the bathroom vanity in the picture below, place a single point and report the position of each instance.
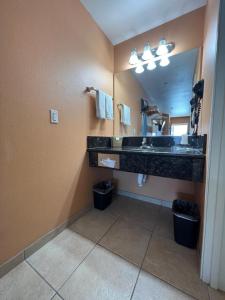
(159, 156)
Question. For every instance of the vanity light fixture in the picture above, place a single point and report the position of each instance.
(151, 55)
(151, 65)
(164, 61)
(147, 54)
(162, 49)
(139, 69)
(133, 57)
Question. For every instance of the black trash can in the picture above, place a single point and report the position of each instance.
(186, 223)
(102, 194)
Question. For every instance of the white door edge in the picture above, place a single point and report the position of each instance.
(215, 182)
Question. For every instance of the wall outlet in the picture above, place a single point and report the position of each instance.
(54, 116)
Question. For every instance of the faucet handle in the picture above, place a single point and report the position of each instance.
(144, 141)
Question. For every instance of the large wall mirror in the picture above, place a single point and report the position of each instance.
(159, 99)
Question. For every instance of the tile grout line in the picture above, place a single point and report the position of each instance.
(132, 294)
(99, 240)
(141, 268)
(41, 276)
(58, 296)
(95, 244)
(89, 252)
(57, 290)
(179, 289)
(120, 255)
(186, 293)
(209, 298)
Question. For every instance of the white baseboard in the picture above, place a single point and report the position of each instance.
(165, 203)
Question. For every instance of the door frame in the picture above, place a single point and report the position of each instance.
(214, 211)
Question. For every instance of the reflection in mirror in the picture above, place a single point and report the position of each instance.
(159, 99)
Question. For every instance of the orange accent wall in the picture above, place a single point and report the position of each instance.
(186, 31)
(50, 51)
(127, 90)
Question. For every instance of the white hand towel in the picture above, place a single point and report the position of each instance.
(100, 104)
(109, 107)
(125, 115)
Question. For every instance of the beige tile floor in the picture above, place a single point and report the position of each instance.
(124, 252)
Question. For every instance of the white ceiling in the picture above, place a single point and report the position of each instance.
(170, 88)
(124, 19)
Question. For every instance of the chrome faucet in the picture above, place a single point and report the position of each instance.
(144, 144)
(144, 141)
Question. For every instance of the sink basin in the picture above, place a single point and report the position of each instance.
(174, 149)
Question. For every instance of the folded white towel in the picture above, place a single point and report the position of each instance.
(100, 104)
(109, 107)
(125, 115)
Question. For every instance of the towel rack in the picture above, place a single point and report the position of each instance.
(90, 89)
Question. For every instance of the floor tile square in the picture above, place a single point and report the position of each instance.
(140, 212)
(58, 258)
(120, 205)
(151, 288)
(144, 215)
(216, 295)
(128, 240)
(176, 265)
(94, 224)
(102, 276)
(23, 283)
(164, 224)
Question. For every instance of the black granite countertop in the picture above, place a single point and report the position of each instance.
(165, 151)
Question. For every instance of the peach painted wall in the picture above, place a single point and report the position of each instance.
(50, 51)
(127, 90)
(186, 31)
(156, 187)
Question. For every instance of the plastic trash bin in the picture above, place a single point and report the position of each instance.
(186, 223)
(102, 194)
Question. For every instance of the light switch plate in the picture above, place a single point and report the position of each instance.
(54, 116)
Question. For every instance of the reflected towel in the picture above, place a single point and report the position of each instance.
(125, 115)
(100, 105)
(109, 107)
(141, 179)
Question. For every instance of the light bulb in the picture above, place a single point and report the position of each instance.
(139, 69)
(162, 49)
(151, 65)
(164, 61)
(147, 54)
(133, 57)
